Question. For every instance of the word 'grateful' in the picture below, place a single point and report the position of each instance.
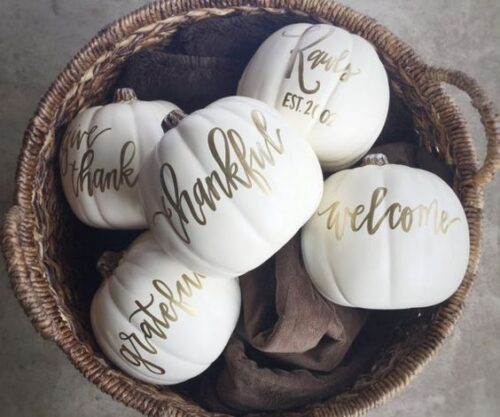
(168, 303)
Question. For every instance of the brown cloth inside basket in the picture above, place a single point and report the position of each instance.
(288, 319)
(191, 82)
(234, 36)
(289, 342)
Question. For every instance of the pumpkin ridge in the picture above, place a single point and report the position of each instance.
(388, 235)
(243, 215)
(95, 198)
(113, 299)
(330, 260)
(136, 133)
(231, 200)
(108, 337)
(81, 214)
(335, 87)
(278, 95)
(192, 253)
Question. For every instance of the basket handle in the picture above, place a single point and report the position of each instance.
(489, 118)
(20, 273)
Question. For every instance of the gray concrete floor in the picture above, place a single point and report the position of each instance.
(37, 37)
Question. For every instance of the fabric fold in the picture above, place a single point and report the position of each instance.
(190, 82)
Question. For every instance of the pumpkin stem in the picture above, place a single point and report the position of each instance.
(375, 159)
(124, 94)
(108, 262)
(172, 119)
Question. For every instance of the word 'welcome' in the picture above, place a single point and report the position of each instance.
(396, 216)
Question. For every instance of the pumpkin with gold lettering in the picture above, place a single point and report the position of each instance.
(328, 83)
(158, 320)
(100, 158)
(386, 237)
(228, 186)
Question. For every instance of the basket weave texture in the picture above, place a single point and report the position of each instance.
(49, 260)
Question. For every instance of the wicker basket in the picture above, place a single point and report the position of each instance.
(52, 266)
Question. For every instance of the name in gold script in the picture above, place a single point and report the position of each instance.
(315, 58)
(85, 177)
(167, 303)
(238, 167)
(396, 216)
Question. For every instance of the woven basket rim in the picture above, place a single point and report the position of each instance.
(20, 239)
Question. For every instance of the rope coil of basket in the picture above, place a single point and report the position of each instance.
(47, 275)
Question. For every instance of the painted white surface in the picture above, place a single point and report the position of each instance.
(101, 156)
(249, 209)
(367, 252)
(327, 83)
(160, 321)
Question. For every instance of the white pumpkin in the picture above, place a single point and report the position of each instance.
(328, 83)
(100, 157)
(229, 186)
(158, 320)
(386, 237)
